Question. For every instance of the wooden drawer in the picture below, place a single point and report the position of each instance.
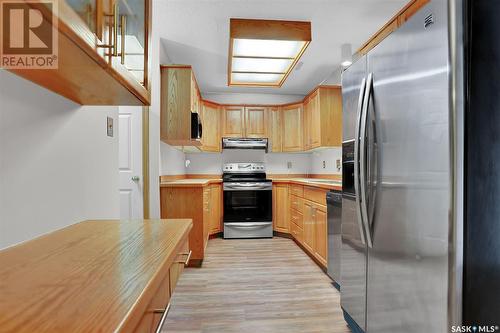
(151, 318)
(297, 232)
(315, 195)
(296, 203)
(178, 266)
(297, 190)
(297, 219)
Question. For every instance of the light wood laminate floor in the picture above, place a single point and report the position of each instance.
(255, 286)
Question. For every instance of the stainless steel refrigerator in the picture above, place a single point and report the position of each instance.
(399, 248)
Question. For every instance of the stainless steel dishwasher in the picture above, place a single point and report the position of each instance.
(334, 212)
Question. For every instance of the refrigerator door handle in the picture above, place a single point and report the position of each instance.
(362, 160)
(356, 159)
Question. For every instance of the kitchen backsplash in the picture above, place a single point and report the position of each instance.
(211, 163)
(174, 162)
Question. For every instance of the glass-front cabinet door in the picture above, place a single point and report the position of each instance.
(120, 29)
(132, 37)
(87, 11)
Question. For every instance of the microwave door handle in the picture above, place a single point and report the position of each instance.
(359, 110)
(363, 160)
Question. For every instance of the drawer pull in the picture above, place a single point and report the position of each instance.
(163, 317)
(187, 259)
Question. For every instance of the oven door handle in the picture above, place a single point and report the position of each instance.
(247, 187)
(248, 224)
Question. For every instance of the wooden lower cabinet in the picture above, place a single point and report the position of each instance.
(297, 232)
(215, 209)
(281, 208)
(202, 204)
(306, 218)
(320, 234)
(309, 227)
(159, 303)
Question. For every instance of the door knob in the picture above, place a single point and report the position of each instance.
(135, 178)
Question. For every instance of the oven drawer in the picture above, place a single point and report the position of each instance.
(297, 203)
(248, 229)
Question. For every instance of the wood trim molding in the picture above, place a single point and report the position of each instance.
(176, 66)
(202, 176)
(145, 161)
(286, 175)
(169, 178)
(326, 176)
(407, 11)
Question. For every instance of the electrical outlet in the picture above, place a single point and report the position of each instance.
(324, 164)
(338, 165)
(288, 165)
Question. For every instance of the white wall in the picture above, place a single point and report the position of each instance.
(330, 156)
(57, 166)
(171, 160)
(335, 77)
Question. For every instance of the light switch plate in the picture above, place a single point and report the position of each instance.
(288, 165)
(324, 164)
(109, 126)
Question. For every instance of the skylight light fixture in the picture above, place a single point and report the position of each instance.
(263, 52)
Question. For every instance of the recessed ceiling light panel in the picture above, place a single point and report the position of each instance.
(263, 52)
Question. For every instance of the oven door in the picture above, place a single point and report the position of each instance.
(248, 202)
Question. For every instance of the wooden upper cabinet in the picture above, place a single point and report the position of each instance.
(292, 128)
(323, 118)
(275, 129)
(93, 66)
(255, 122)
(176, 104)
(210, 118)
(315, 125)
(233, 118)
(244, 122)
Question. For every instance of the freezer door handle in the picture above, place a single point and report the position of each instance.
(363, 160)
(356, 159)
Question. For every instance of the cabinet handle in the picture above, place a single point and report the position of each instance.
(123, 30)
(115, 32)
(187, 259)
(163, 317)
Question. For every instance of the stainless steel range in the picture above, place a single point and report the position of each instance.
(247, 201)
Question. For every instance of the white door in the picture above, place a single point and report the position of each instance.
(130, 151)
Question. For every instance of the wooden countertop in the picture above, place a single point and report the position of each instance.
(93, 276)
(191, 182)
(328, 184)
